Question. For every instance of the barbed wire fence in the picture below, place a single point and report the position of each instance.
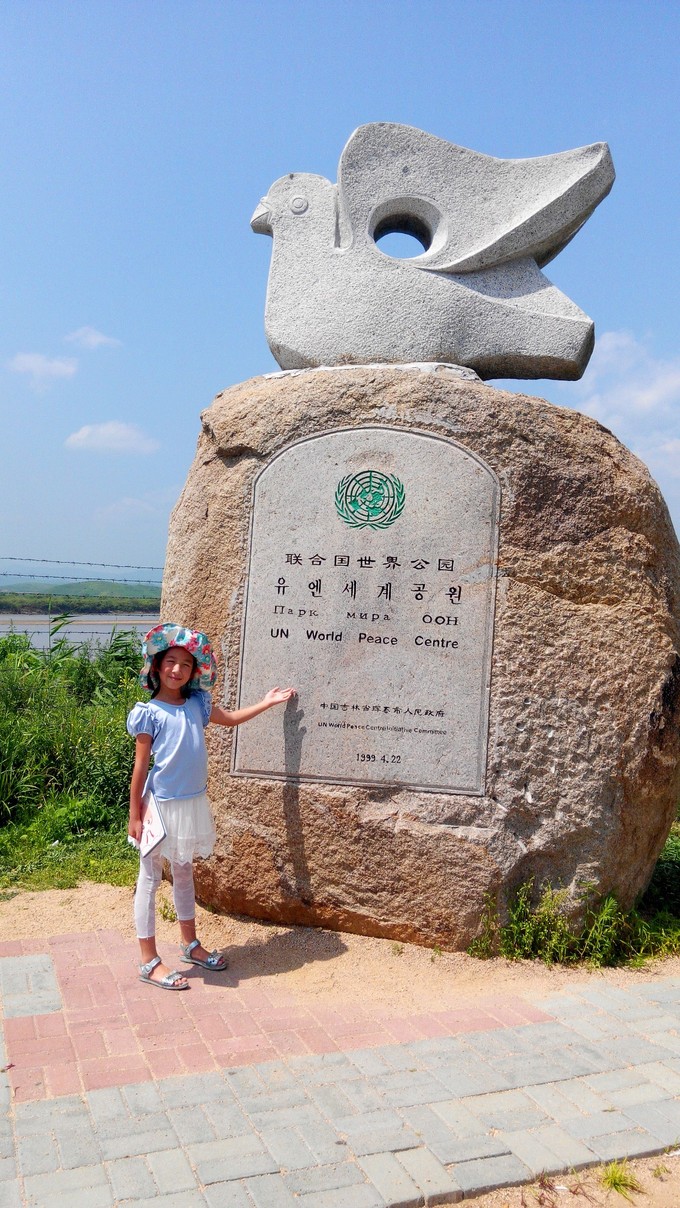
(28, 582)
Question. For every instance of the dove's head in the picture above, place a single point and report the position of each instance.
(301, 200)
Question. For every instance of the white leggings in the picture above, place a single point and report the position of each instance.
(150, 870)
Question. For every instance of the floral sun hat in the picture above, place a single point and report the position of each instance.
(162, 637)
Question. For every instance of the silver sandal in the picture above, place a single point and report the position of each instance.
(215, 963)
(169, 982)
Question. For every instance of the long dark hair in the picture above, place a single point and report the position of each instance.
(154, 678)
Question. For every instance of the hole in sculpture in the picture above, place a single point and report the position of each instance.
(402, 236)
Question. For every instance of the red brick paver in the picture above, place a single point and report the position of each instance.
(113, 1030)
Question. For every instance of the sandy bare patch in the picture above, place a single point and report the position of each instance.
(310, 962)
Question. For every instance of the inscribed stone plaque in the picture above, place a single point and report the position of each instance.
(371, 589)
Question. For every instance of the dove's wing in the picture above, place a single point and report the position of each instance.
(473, 210)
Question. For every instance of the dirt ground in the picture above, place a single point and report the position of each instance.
(315, 965)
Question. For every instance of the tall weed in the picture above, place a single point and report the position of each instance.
(537, 928)
(62, 723)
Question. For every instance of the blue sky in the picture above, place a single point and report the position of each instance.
(138, 139)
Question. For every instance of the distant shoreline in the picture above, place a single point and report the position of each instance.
(15, 604)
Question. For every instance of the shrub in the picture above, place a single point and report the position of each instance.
(62, 724)
(540, 930)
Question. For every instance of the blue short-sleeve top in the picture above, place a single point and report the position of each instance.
(180, 759)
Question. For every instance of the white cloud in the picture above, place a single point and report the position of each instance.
(42, 369)
(128, 508)
(155, 504)
(625, 381)
(111, 437)
(89, 337)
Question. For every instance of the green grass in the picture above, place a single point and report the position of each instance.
(85, 595)
(617, 1176)
(536, 926)
(42, 602)
(65, 761)
(29, 861)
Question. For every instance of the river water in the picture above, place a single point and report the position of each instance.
(93, 628)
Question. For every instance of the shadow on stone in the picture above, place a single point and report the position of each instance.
(293, 735)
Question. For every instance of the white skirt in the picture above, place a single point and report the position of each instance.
(191, 829)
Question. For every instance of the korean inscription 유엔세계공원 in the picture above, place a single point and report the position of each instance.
(371, 587)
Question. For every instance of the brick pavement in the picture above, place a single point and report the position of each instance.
(241, 1096)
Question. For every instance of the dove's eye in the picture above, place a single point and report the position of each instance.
(299, 204)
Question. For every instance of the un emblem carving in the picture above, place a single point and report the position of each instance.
(370, 499)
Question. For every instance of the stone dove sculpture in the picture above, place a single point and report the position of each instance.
(475, 296)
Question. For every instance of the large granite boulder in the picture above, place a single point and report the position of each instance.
(583, 759)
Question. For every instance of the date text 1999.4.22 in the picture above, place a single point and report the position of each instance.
(362, 757)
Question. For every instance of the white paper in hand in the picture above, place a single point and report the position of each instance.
(153, 825)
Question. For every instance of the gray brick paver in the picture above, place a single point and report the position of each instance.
(323, 1178)
(143, 1098)
(227, 1195)
(132, 1144)
(482, 1175)
(287, 1148)
(582, 1095)
(131, 1179)
(471, 1079)
(28, 985)
(77, 1147)
(106, 1104)
(10, 1195)
(626, 1145)
(333, 1103)
(368, 1062)
(270, 1100)
(231, 1158)
(456, 1116)
(661, 1075)
(368, 1140)
(191, 1125)
(464, 1149)
(190, 1089)
(645, 1092)
(391, 1180)
(118, 1127)
(183, 1199)
(573, 1154)
(359, 1196)
(652, 1116)
(633, 1050)
(323, 1140)
(270, 1191)
(427, 1125)
(312, 1068)
(87, 1185)
(171, 1171)
(227, 1119)
(361, 1094)
(433, 1180)
(38, 1114)
(8, 1170)
(37, 1154)
(531, 1149)
(220, 1170)
(407, 1089)
(597, 1125)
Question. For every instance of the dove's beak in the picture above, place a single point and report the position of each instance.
(259, 222)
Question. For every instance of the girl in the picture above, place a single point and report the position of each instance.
(179, 670)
